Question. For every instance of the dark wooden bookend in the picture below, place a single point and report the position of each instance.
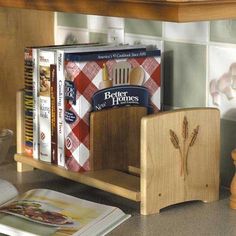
(115, 138)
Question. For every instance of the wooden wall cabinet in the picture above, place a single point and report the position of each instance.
(18, 28)
(165, 10)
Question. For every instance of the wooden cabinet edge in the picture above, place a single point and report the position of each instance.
(175, 11)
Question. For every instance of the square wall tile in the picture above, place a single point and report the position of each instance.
(222, 80)
(228, 143)
(223, 31)
(184, 75)
(101, 24)
(135, 39)
(144, 27)
(68, 35)
(97, 37)
(193, 32)
(71, 20)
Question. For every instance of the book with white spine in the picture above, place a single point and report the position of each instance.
(46, 58)
(31, 97)
(60, 108)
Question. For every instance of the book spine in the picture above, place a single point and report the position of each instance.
(53, 95)
(28, 101)
(60, 108)
(110, 55)
(35, 104)
(46, 58)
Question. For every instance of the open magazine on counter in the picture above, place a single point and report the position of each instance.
(47, 212)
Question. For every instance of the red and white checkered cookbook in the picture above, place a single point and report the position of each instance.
(84, 75)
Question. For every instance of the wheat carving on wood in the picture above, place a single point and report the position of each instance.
(187, 143)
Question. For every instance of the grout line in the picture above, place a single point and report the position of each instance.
(72, 28)
(149, 37)
(222, 44)
(185, 41)
(55, 27)
(163, 30)
(207, 65)
(207, 75)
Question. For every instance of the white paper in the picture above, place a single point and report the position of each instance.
(8, 191)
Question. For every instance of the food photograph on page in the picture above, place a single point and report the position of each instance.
(38, 212)
(47, 212)
(106, 81)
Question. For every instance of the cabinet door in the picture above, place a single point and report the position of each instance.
(18, 29)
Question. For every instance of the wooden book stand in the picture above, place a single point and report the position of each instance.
(157, 160)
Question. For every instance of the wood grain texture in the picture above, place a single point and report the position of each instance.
(20, 167)
(134, 170)
(115, 138)
(162, 183)
(20, 121)
(112, 181)
(232, 202)
(166, 10)
(18, 29)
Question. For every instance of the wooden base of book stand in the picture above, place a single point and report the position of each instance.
(232, 202)
(23, 167)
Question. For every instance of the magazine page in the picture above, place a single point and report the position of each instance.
(46, 212)
(111, 221)
(8, 191)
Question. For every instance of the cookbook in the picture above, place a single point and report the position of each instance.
(100, 80)
(48, 212)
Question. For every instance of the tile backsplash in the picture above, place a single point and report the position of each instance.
(223, 31)
(184, 72)
(198, 62)
(190, 32)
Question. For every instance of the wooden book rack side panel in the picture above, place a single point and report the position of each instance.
(179, 158)
(232, 202)
(115, 138)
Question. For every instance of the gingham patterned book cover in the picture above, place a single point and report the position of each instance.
(82, 81)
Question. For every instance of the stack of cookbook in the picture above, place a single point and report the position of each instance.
(63, 84)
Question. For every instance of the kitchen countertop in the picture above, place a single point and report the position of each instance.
(192, 218)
